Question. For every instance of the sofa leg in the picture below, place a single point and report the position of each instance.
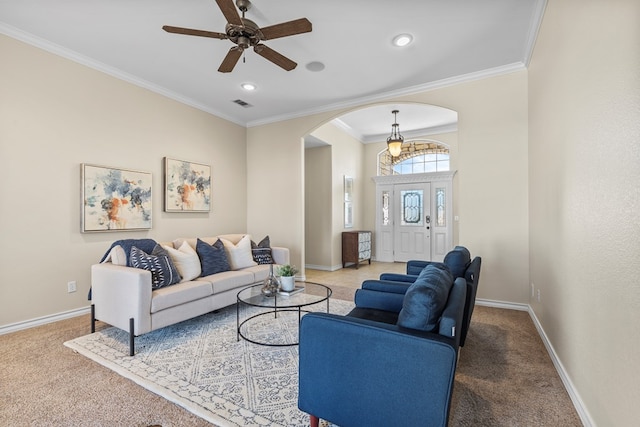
(93, 318)
(131, 338)
(314, 421)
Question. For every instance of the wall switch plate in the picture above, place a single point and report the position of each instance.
(71, 286)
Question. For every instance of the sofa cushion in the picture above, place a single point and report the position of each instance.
(163, 272)
(426, 298)
(262, 251)
(231, 279)
(239, 254)
(458, 259)
(186, 261)
(179, 294)
(213, 258)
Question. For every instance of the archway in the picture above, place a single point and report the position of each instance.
(347, 145)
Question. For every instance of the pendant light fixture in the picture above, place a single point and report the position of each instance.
(394, 142)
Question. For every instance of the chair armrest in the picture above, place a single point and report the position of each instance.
(386, 286)
(402, 377)
(396, 277)
(120, 293)
(451, 322)
(415, 266)
(280, 255)
(387, 301)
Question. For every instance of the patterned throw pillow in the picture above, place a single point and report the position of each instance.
(213, 258)
(163, 272)
(262, 251)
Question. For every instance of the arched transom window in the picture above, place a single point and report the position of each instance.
(416, 157)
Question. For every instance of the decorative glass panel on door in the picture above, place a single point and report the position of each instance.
(411, 207)
(440, 207)
(385, 208)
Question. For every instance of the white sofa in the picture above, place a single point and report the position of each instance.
(123, 296)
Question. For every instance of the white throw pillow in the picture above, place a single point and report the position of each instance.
(186, 261)
(116, 256)
(240, 255)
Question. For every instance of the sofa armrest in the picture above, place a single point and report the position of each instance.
(120, 293)
(378, 300)
(396, 277)
(280, 255)
(402, 377)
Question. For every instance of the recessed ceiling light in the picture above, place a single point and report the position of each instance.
(315, 66)
(248, 86)
(402, 40)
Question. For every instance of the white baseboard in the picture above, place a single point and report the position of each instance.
(14, 327)
(323, 267)
(584, 415)
(502, 304)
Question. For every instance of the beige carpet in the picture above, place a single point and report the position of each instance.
(504, 378)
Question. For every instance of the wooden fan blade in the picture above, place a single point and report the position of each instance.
(231, 59)
(229, 11)
(285, 29)
(273, 56)
(192, 32)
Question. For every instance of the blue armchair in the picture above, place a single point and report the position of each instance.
(458, 260)
(364, 369)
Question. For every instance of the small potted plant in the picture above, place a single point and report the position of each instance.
(287, 277)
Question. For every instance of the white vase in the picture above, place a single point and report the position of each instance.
(287, 283)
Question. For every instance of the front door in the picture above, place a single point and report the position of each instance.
(412, 227)
(414, 216)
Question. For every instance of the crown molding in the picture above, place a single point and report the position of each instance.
(388, 96)
(74, 56)
(536, 23)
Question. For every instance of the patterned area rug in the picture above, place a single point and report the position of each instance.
(200, 365)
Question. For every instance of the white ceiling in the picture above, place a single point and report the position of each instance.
(454, 40)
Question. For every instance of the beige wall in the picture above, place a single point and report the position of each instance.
(55, 115)
(318, 206)
(492, 177)
(346, 159)
(584, 160)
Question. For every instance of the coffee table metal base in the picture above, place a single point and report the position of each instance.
(266, 313)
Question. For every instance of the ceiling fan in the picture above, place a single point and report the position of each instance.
(245, 33)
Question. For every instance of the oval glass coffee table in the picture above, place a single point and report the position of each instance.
(279, 331)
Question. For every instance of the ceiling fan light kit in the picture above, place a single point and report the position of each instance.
(245, 33)
(395, 140)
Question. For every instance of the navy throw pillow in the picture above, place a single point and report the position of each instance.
(426, 299)
(458, 259)
(159, 263)
(262, 251)
(213, 258)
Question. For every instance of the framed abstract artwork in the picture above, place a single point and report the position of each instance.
(115, 199)
(187, 186)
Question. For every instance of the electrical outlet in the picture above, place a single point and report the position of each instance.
(71, 286)
(533, 290)
(538, 295)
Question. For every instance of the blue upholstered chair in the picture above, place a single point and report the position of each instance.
(458, 260)
(374, 368)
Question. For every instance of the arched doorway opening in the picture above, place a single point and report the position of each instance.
(348, 146)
